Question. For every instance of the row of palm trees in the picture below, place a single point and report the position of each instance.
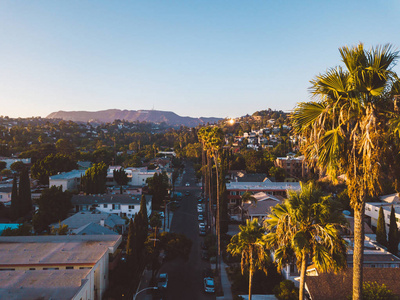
(304, 228)
(212, 139)
(351, 128)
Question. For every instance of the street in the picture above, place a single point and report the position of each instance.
(186, 277)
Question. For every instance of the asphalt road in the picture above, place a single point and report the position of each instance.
(186, 277)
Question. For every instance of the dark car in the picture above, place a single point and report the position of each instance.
(202, 232)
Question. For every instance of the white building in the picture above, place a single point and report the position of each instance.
(372, 212)
(56, 267)
(122, 205)
(69, 181)
(138, 176)
(5, 195)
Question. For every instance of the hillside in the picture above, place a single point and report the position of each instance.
(154, 116)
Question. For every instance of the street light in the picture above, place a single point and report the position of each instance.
(148, 288)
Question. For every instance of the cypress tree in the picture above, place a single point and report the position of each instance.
(143, 213)
(129, 242)
(15, 205)
(381, 229)
(25, 192)
(393, 242)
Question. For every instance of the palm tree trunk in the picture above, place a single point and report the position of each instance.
(302, 275)
(358, 253)
(250, 273)
(218, 214)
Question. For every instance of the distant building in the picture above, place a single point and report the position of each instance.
(77, 222)
(69, 181)
(5, 195)
(294, 166)
(10, 161)
(237, 189)
(372, 210)
(122, 205)
(56, 267)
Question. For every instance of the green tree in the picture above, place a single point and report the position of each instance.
(23, 230)
(250, 245)
(375, 291)
(24, 194)
(344, 130)
(381, 229)
(17, 166)
(307, 226)
(51, 165)
(120, 177)
(393, 240)
(94, 180)
(54, 205)
(158, 187)
(286, 291)
(131, 238)
(15, 201)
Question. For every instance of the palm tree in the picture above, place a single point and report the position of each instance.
(250, 245)
(306, 226)
(344, 130)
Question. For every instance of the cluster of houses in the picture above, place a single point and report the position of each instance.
(379, 264)
(76, 265)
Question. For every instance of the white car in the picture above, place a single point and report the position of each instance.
(199, 209)
(187, 184)
(209, 286)
(202, 226)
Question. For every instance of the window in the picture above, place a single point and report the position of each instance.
(32, 269)
(7, 269)
(50, 268)
(105, 205)
(69, 268)
(117, 206)
(82, 268)
(131, 206)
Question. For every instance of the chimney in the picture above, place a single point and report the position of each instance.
(102, 222)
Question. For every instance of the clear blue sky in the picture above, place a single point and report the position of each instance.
(196, 58)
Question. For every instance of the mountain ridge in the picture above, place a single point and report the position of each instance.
(109, 115)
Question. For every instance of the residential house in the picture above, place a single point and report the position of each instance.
(237, 189)
(5, 195)
(122, 205)
(330, 286)
(56, 267)
(69, 181)
(77, 222)
(294, 166)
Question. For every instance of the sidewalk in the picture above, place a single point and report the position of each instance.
(144, 283)
(225, 283)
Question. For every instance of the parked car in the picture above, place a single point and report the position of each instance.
(187, 184)
(200, 218)
(187, 193)
(199, 209)
(202, 226)
(209, 286)
(162, 282)
(202, 232)
(200, 200)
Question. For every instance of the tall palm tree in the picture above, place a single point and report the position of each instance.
(306, 226)
(343, 132)
(214, 144)
(250, 245)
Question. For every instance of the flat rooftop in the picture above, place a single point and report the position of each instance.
(263, 185)
(68, 175)
(42, 251)
(41, 284)
(108, 199)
